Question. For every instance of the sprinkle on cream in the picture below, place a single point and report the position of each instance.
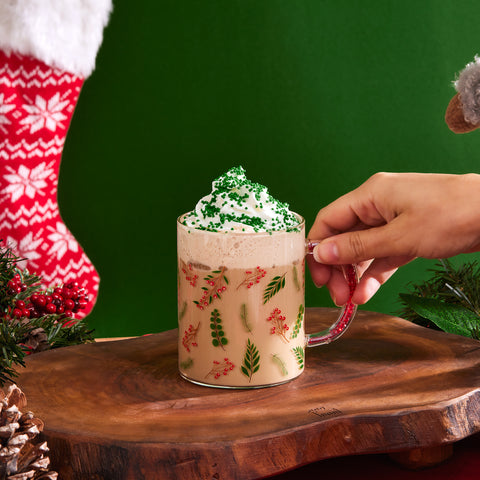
(239, 205)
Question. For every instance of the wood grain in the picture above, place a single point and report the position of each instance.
(119, 410)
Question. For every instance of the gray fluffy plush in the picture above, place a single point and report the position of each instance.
(468, 88)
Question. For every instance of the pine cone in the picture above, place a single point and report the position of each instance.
(20, 457)
(36, 340)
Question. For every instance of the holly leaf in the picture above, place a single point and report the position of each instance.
(450, 318)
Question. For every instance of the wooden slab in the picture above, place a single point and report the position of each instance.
(119, 410)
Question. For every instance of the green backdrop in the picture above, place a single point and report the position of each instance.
(310, 96)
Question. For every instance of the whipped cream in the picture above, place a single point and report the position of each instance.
(237, 204)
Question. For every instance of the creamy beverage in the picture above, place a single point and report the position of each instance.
(241, 292)
(241, 287)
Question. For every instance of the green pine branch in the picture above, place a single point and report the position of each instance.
(56, 329)
(448, 301)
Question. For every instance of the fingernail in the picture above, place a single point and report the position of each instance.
(326, 253)
(335, 300)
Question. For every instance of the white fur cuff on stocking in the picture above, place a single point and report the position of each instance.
(62, 33)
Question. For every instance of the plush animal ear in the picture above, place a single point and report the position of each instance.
(463, 111)
(65, 34)
(455, 117)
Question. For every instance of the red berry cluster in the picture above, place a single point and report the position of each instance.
(279, 327)
(190, 337)
(65, 301)
(221, 368)
(189, 277)
(15, 285)
(209, 295)
(254, 277)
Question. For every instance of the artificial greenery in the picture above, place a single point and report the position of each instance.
(19, 334)
(449, 300)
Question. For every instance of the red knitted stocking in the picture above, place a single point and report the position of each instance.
(36, 105)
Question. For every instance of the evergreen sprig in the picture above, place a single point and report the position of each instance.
(58, 330)
(449, 300)
(12, 352)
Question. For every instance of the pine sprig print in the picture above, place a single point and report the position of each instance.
(251, 360)
(298, 321)
(244, 318)
(182, 311)
(218, 335)
(280, 364)
(188, 363)
(296, 281)
(299, 353)
(273, 287)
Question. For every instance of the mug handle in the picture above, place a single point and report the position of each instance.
(347, 312)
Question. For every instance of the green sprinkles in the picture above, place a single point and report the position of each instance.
(225, 209)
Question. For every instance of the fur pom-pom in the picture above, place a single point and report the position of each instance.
(62, 33)
(468, 88)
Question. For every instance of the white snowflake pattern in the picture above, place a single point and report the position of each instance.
(63, 241)
(25, 181)
(27, 249)
(45, 114)
(4, 109)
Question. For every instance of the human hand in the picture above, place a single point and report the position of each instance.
(388, 221)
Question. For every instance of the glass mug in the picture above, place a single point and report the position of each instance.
(241, 306)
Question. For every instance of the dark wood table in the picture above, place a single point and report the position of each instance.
(119, 410)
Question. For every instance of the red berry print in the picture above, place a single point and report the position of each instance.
(217, 284)
(190, 337)
(252, 277)
(190, 275)
(279, 327)
(222, 368)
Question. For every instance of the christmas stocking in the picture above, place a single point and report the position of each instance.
(47, 49)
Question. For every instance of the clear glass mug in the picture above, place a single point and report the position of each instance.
(241, 307)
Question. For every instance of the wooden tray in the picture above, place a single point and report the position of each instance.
(119, 410)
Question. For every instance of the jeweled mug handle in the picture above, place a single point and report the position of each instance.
(347, 313)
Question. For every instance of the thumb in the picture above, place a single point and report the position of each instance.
(360, 245)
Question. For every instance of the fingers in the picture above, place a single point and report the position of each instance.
(379, 242)
(334, 218)
(376, 275)
(355, 210)
(372, 275)
(319, 272)
(330, 276)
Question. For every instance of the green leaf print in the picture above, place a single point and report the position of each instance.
(299, 353)
(274, 287)
(218, 335)
(251, 360)
(298, 322)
